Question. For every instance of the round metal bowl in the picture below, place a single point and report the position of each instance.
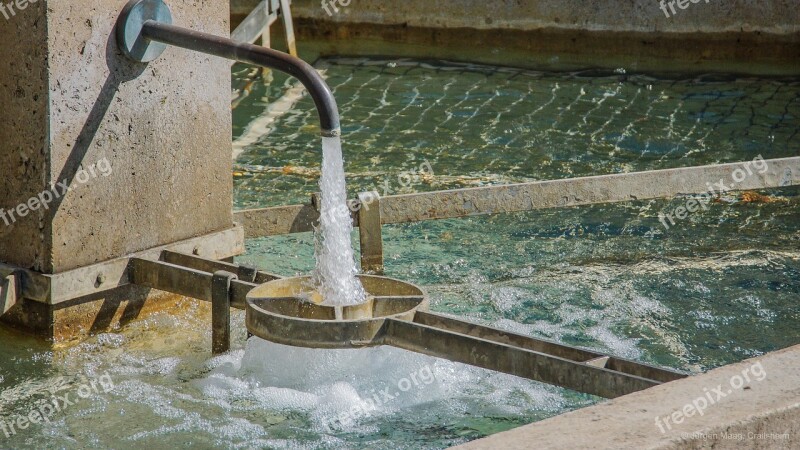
(289, 311)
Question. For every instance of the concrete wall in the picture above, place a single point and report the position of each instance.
(23, 132)
(708, 16)
(74, 100)
(741, 36)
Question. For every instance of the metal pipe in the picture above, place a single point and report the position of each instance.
(252, 54)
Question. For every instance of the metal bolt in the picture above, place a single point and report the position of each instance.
(100, 279)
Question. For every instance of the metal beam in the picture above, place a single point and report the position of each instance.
(252, 27)
(535, 195)
(171, 278)
(288, 26)
(548, 347)
(243, 272)
(184, 281)
(581, 376)
(583, 191)
(57, 288)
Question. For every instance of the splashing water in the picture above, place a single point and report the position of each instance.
(335, 272)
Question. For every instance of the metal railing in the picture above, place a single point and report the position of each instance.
(509, 198)
(258, 24)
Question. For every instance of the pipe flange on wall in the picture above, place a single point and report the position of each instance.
(130, 24)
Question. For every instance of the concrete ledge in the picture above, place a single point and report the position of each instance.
(562, 193)
(748, 37)
(704, 16)
(562, 49)
(763, 412)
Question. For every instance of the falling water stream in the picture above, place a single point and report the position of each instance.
(335, 272)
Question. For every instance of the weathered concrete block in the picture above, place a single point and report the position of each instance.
(105, 157)
(23, 133)
(162, 129)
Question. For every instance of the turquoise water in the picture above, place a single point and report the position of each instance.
(718, 287)
(480, 125)
(715, 288)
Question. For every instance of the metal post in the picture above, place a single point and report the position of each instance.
(221, 312)
(288, 26)
(369, 232)
(266, 32)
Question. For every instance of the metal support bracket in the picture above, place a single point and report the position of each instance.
(221, 311)
(9, 291)
(369, 232)
(397, 316)
(536, 359)
(203, 279)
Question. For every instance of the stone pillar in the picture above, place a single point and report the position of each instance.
(145, 148)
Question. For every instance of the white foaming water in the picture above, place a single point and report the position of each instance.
(348, 390)
(335, 272)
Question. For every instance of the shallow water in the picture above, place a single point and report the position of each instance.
(715, 288)
(165, 391)
(478, 125)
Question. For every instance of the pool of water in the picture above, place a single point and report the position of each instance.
(478, 125)
(717, 287)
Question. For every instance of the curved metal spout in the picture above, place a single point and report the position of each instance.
(145, 21)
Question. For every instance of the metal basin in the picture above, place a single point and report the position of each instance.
(289, 311)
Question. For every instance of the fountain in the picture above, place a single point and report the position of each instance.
(153, 251)
(333, 308)
(144, 30)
